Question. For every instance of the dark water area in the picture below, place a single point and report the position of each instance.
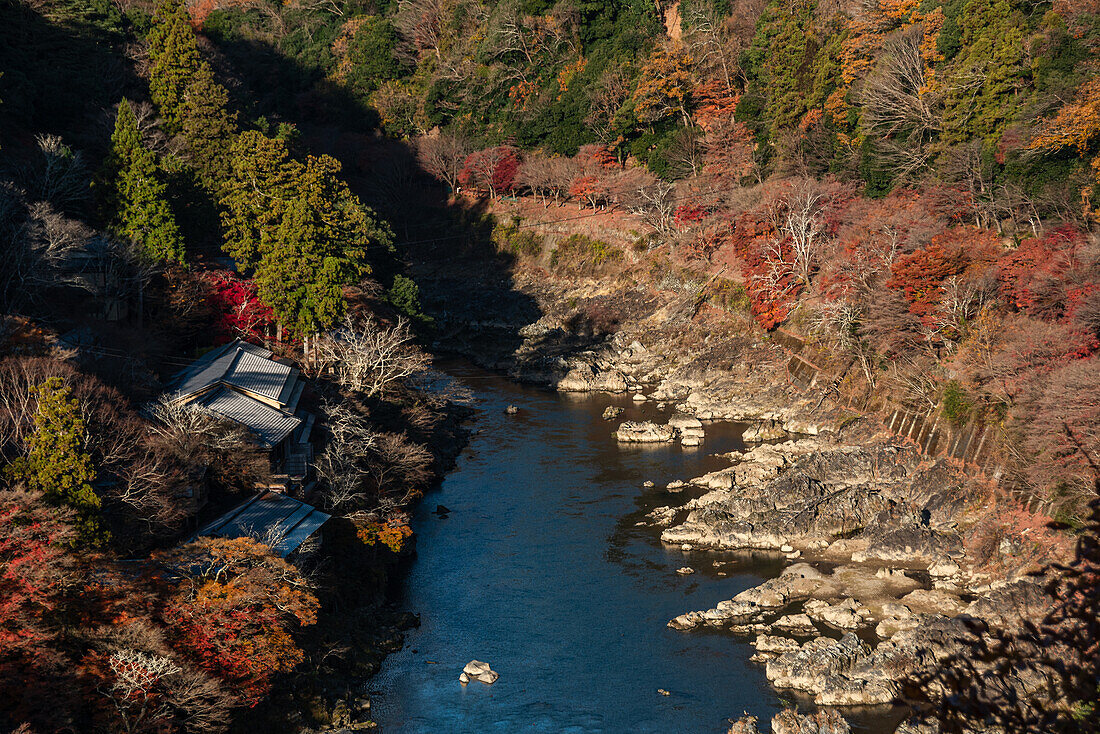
(541, 571)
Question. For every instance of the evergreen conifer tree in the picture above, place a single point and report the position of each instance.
(138, 197)
(174, 60)
(299, 227)
(208, 126)
(56, 463)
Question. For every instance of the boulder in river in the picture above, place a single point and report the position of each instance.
(789, 721)
(477, 670)
(585, 378)
(662, 516)
(612, 412)
(745, 725)
(684, 422)
(511, 410)
(644, 432)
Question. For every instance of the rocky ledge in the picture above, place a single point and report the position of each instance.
(890, 591)
(892, 583)
(790, 721)
(861, 632)
(877, 502)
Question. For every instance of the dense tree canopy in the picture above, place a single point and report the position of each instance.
(299, 227)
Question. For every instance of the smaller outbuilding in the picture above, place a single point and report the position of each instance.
(273, 518)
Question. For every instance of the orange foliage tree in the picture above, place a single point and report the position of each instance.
(394, 534)
(664, 87)
(234, 609)
(1076, 125)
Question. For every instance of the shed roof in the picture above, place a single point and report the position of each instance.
(272, 517)
(271, 426)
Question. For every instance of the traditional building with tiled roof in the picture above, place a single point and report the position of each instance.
(246, 384)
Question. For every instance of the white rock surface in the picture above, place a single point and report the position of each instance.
(478, 670)
(644, 432)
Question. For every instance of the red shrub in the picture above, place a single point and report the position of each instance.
(772, 291)
(1036, 277)
(959, 251)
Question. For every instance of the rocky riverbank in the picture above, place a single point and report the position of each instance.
(894, 556)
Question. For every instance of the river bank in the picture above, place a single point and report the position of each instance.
(902, 550)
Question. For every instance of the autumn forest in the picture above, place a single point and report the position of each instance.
(911, 187)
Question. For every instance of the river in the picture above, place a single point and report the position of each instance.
(541, 570)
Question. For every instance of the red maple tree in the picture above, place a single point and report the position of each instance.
(237, 306)
(492, 170)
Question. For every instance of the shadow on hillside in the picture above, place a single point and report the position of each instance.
(59, 78)
(1043, 676)
(466, 286)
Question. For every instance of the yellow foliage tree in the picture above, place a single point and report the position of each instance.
(665, 84)
(1077, 125)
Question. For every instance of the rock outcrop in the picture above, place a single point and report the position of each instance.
(790, 721)
(644, 432)
(587, 378)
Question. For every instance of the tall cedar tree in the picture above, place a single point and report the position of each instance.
(301, 230)
(208, 125)
(138, 196)
(174, 60)
(56, 464)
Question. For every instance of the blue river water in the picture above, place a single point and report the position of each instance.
(541, 571)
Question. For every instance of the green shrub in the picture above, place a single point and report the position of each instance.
(512, 239)
(727, 295)
(404, 295)
(956, 403)
(583, 254)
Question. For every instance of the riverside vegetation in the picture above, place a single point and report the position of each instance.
(593, 196)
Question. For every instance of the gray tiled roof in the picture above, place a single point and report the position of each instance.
(272, 517)
(230, 380)
(210, 368)
(270, 425)
(259, 375)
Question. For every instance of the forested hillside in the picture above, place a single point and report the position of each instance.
(145, 219)
(912, 186)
